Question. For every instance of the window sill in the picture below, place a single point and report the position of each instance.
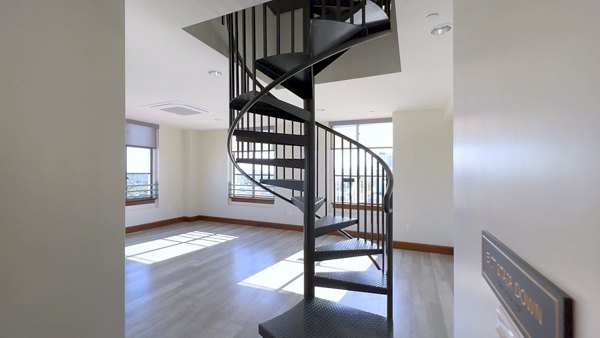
(374, 207)
(140, 201)
(252, 200)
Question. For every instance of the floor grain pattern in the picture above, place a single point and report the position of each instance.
(197, 294)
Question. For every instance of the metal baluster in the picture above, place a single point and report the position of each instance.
(317, 162)
(365, 193)
(343, 174)
(262, 153)
(244, 56)
(364, 13)
(293, 157)
(284, 149)
(254, 149)
(338, 10)
(350, 181)
(372, 192)
(334, 172)
(357, 189)
(231, 75)
(383, 228)
(326, 152)
(254, 48)
(378, 207)
(237, 59)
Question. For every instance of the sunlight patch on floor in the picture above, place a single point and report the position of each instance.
(287, 275)
(173, 246)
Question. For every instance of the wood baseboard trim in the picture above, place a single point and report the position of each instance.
(439, 249)
(262, 224)
(156, 224)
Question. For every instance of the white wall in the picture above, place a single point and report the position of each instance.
(208, 194)
(527, 134)
(172, 157)
(62, 128)
(423, 209)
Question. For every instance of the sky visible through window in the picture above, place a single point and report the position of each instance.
(138, 160)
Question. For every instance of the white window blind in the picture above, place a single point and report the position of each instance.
(141, 134)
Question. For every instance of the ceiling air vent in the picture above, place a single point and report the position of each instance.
(179, 108)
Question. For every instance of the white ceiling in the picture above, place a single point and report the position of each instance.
(164, 63)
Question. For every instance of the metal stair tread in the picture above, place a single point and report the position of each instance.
(277, 162)
(273, 138)
(347, 248)
(299, 202)
(276, 65)
(372, 281)
(324, 318)
(288, 184)
(269, 105)
(330, 223)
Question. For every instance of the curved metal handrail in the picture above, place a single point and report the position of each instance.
(314, 60)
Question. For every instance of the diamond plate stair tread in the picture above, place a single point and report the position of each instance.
(269, 105)
(323, 318)
(278, 162)
(299, 202)
(372, 281)
(348, 248)
(288, 184)
(272, 138)
(330, 223)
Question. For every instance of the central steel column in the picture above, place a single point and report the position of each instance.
(309, 172)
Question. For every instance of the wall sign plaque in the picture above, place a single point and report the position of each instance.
(538, 307)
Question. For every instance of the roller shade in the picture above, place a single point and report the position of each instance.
(141, 134)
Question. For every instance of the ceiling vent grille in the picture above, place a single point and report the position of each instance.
(178, 107)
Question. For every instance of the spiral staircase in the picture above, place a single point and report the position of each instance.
(340, 185)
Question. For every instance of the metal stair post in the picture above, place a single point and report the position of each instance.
(309, 173)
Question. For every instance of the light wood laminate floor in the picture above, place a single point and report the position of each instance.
(207, 279)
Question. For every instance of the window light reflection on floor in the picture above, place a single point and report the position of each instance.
(173, 246)
(287, 275)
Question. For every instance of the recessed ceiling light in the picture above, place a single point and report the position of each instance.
(441, 29)
(320, 109)
(432, 16)
(214, 73)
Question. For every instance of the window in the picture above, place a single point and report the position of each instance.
(377, 135)
(241, 189)
(141, 186)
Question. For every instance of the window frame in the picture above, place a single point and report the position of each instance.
(142, 135)
(153, 181)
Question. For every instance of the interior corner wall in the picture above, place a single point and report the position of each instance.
(62, 130)
(208, 184)
(423, 206)
(172, 185)
(527, 165)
